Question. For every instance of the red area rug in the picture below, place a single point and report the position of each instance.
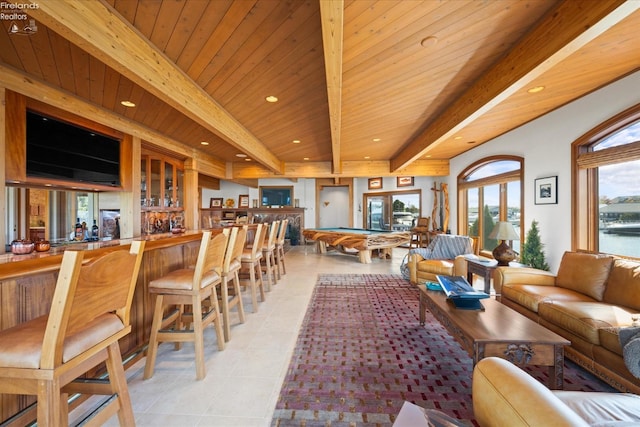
(361, 352)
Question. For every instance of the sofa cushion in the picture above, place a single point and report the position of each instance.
(530, 296)
(583, 318)
(436, 266)
(623, 285)
(603, 409)
(610, 339)
(585, 273)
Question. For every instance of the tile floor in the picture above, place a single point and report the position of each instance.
(243, 381)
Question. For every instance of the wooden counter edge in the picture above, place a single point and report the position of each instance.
(13, 267)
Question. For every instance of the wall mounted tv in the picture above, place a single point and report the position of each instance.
(58, 150)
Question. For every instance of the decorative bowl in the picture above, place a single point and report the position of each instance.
(22, 247)
(43, 246)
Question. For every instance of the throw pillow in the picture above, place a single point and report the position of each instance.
(585, 273)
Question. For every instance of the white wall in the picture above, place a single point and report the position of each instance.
(545, 144)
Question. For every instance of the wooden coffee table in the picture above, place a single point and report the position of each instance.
(498, 331)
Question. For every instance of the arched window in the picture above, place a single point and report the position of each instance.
(606, 187)
(490, 190)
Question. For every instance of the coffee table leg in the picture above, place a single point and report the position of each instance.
(556, 372)
(422, 308)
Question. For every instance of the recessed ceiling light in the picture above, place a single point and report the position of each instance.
(376, 139)
(127, 103)
(272, 98)
(296, 141)
(536, 89)
(247, 159)
(429, 41)
(204, 143)
(367, 157)
(241, 155)
(305, 158)
(457, 137)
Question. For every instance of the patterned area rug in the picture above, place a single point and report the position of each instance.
(361, 352)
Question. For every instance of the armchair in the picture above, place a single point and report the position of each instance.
(444, 255)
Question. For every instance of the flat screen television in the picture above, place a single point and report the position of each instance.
(58, 150)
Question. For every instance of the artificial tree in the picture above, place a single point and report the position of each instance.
(532, 252)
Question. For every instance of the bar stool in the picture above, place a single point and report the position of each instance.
(250, 267)
(268, 263)
(230, 280)
(188, 286)
(89, 314)
(280, 248)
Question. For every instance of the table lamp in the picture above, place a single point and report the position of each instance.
(503, 253)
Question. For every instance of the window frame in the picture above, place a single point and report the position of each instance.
(584, 186)
(500, 179)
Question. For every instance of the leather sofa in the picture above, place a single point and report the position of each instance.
(589, 300)
(504, 395)
(443, 256)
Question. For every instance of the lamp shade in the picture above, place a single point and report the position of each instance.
(504, 230)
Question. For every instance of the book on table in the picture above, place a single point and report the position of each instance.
(461, 293)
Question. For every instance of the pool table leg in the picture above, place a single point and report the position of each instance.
(364, 256)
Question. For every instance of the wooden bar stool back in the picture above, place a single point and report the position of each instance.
(251, 271)
(188, 286)
(282, 270)
(89, 314)
(230, 294)
(268, 263)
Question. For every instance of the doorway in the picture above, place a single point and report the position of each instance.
(397, 211)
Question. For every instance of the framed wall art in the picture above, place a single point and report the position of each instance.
(215, 202)
(375, 183)
(243, 201)
(546, 191)
(404, 181)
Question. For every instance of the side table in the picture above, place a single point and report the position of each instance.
(484, 267)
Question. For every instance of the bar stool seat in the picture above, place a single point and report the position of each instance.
(282, 270)
(250, 269)
(90, 312)
(190, 287)
(268, 263)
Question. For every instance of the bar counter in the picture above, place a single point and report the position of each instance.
(27, 283)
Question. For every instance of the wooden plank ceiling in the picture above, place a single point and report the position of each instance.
(364, 87)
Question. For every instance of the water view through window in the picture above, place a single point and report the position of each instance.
(619, 197)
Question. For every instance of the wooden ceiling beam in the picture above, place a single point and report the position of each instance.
(351, 169)
(563, 31)
(332, 16)
(100, 31)
(56, 97)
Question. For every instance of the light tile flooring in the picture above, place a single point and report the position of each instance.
(243, 381)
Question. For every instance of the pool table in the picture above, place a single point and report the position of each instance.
(357, 241)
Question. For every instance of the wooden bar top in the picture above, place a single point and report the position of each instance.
(12, 266)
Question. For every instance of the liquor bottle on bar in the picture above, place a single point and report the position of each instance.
(94, 231)
(78, 229)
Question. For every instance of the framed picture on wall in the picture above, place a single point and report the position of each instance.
(243, 201)
(404, 181)
(375, 183)
(546, 191)
(215, 202)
